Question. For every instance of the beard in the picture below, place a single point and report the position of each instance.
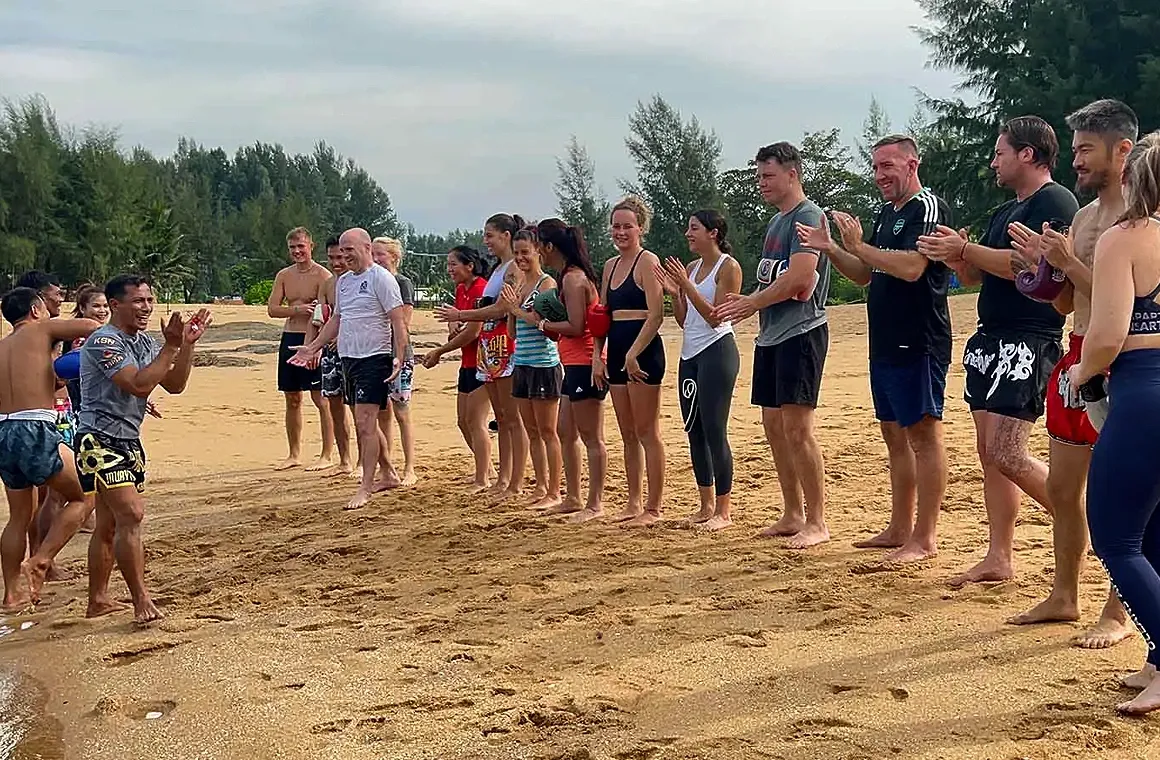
(1093, 183)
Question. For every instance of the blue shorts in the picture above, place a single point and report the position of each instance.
(907, 392)
(29, 452)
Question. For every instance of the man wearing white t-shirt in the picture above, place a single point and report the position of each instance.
(372, 336)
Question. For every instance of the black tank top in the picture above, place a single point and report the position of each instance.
(629, 296)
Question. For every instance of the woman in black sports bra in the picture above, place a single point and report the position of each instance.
(636, 358)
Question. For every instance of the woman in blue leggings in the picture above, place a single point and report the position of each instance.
(1123, 494)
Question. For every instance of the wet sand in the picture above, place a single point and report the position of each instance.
(432, 625)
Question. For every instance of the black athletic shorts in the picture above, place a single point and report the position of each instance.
(366, 380)
(469, 381)
(331, 367)
(790, 373)
(1008, 375)
(621, 336)
(293, 379)
(537, 383)
(578, 385)
(107, 462)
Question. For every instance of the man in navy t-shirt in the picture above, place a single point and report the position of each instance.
(910, 339)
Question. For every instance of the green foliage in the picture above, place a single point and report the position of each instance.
(199, 222)
(581, 203)
(843, 291)
(258, 294)
(676, 171)
(1043, 57)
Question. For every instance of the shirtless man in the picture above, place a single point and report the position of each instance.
(32, 452)
(333, 380)
(293, 298)
(1104, 132)
(120, 366)
(371, 329)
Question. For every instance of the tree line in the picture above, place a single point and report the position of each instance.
(206, 223)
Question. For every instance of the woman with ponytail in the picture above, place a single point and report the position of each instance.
(581, 409)
(1123, 492)
(496, 346)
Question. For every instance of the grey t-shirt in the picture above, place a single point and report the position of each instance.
(791, 318)
(105, 408)
(407, 291)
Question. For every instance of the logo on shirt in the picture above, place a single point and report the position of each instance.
(110, 359)
(899, 225)
(104, 340)
(364, 287)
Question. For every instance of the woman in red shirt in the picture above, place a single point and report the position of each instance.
(466, 267)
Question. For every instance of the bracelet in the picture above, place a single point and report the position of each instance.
(963, 250)
(540, 326)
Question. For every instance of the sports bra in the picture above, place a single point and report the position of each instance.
(1145, 310)
(629, 296)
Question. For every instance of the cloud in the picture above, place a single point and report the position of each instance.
(459, 108)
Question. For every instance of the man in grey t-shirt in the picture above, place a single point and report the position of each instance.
(120, 366)
(794, 282)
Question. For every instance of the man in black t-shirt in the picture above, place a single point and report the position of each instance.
(1009, 360)
(910, 339)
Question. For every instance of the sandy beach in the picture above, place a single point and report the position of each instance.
(433, 625)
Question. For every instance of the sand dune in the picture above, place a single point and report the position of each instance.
(431, 625)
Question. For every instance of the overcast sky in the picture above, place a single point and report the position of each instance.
(459, 107)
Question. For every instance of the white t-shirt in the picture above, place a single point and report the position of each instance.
(364, 301)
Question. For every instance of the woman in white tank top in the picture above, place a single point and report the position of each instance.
(709, 360)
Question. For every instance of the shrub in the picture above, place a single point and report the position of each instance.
(259, 292)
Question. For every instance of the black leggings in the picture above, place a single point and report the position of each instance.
(1123, 493)
(705, 386)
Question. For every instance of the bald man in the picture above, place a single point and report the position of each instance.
(371, 326)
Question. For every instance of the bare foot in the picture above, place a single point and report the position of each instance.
(480, 487)
(701, 516)
(497, 488)
(629, 513)
(409, 478)
(715, 523)
(320, 464)
(910, 552)
(289, 464)
(342, 468)
(786, 526)
(565, 507)
(1106, 633)
(585, 516)
(35, 574)
(16, 602)
(643, 520)
(987, 571)
(548, 503)
(538, 495)
(101, 607)
(90, 523)
(507, 495)
(1050, 610)
(1141, 678)
(360, 499)
(811, 535)
(147, 614)
(57, 574)
(1147, 701)
(891, 538)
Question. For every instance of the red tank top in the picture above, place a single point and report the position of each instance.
(467, 298)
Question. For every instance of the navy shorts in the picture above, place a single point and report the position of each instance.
(29, 453)
(908, 391)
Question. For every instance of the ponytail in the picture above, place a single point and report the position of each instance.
(1142, 179)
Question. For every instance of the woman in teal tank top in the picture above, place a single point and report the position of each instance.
(537, 375)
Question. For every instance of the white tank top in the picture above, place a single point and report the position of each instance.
(698, 334)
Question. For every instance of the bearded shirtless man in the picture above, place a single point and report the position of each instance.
(293, 298)
(1104, 132)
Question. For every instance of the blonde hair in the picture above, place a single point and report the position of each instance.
(298, 232)
(1142, 179)
(391, 244)
(638, 208)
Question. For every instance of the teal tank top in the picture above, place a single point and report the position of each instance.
(533, 348)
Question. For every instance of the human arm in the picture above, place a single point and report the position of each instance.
(904, 264)
(465, 337)
(115, 359)
(483, 314)
(948, 246)
(673, 289)
(574, 286)
(70, 329)
(400, 337)
(275, 306)
(655, 299)
(1113, 291)
(599, 370)
(177, 378)
(728, 283)
(818, 238)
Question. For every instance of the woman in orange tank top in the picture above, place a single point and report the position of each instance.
(581, 408)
